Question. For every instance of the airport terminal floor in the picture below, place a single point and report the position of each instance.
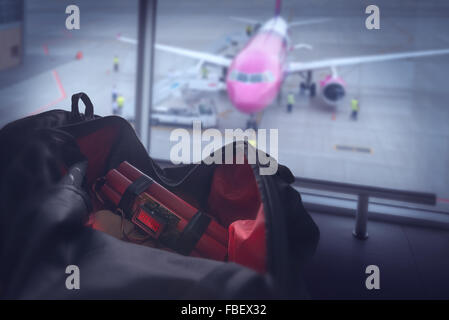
(414, 258)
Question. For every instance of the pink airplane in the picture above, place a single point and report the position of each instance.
(255, 75)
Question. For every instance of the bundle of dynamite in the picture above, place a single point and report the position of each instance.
(168, 219)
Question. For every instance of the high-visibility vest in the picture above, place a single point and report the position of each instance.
(291, 99)
(355, 105)
(204, 71)
(115, 60)
(120, 101)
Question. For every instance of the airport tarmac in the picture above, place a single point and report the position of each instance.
(400, 140)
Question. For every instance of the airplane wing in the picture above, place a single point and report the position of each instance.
(245, 20)
(332, 63)
(204, 56)
(126, 39)
(307, 21)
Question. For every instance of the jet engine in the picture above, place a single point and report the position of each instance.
(333, 90)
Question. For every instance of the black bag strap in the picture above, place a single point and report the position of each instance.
(189, 236)
(89, 111)
(192, 233)
(132, 191)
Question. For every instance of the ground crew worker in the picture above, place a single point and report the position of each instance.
(116, 62)
(249, 30)
(204, 72)
(120, 103)
(355, 108)
(290, 102)
(114, 94)
(114, 108)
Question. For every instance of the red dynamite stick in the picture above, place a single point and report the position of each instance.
(166, 197)
(117, 181)
(114, 197)
(207, 246)
(116, 184)
(109, 193)
(174, 203)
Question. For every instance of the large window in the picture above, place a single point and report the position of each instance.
(59, 62)
(397, 138)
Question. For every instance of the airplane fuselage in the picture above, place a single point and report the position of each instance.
(256, 73)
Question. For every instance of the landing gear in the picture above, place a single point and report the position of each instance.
(313, 90)
(251, 123)
(307, 84)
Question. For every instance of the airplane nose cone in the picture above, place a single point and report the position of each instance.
(246, 98)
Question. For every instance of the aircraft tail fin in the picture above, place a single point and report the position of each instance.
(277, 11)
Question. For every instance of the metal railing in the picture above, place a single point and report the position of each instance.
(363, 193)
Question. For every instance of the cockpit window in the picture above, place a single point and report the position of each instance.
(242, 77)
(266, 76)
(257, 77)
(233, 75)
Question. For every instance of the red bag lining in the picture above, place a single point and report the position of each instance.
(96, 147)
(235, 202)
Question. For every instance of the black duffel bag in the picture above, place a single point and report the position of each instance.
(44, 226)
